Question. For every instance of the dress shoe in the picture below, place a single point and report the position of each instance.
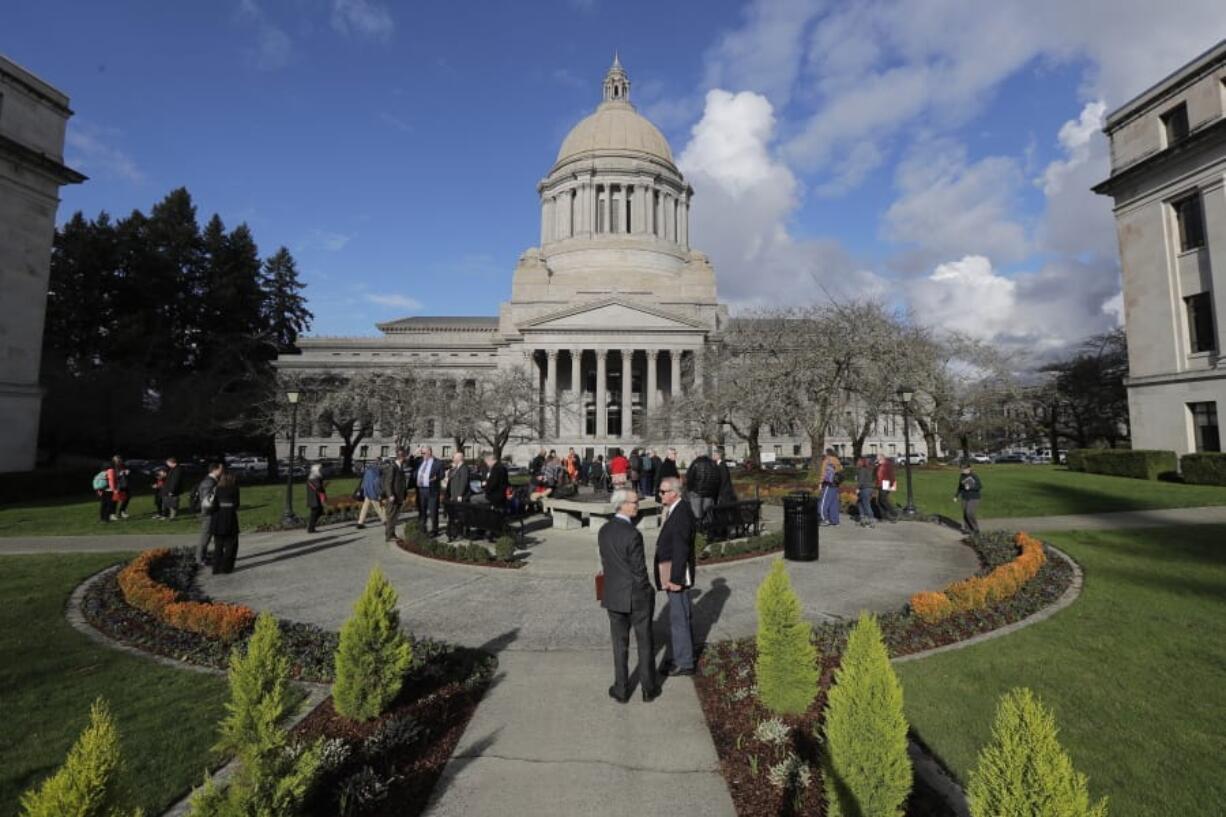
(360, 526)
(650, 695)
(675, 671)
(621, 699)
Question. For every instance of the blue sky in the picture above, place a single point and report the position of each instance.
(908, 150)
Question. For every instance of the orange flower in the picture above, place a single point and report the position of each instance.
(216, 620)
(931, 607)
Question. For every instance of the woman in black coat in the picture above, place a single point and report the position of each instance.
(223, 523)
(317, 498)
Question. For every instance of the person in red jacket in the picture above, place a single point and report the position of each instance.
(117, 484)
(887, 484)
(619, 467)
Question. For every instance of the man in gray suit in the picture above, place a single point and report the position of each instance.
(628, 597)
(459, 485)
(205, 491)
(675, 565)
(395, 486)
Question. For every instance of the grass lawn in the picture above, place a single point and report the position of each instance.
(50, 673)
(1037, 490)
(1134, 671)
(262, 505)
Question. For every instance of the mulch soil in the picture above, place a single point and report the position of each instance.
(725, 684)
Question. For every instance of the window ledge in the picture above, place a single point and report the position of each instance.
(1192, 251)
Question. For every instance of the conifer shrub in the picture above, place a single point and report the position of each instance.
(275, 774)
(88, 784)
(1024, 770)
(504, 549)
(786, 667)
(866, 769)
(373, 655)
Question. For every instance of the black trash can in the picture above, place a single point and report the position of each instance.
(799, 527)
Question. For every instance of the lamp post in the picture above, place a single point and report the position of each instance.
(289, 519)
(905, 393)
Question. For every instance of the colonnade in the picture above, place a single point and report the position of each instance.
(634, 207)
(652, 366)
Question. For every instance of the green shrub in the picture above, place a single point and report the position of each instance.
(1208, 468)
(373, 654)
(504, 548)
(275, 775)
(258, 680)
(787, 660)
(866, 768)
(1075, 459)
(1138, 464)
(87, 785)
(1024, 770)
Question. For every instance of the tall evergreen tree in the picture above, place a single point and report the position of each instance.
(285, 313)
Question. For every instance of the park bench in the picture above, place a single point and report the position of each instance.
(465, 518)
(732, 520)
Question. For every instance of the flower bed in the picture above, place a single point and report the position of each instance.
(503, 555)
(977, 592)
(750, 740)
(142, 590)
(389, 765)
(736, 549)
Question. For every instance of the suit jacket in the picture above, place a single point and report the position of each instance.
(434, 476)
(457, 486)
(624, 561)
(668, 468)
(395, 483)
(676, 545)
(496, 485)
(174, 481)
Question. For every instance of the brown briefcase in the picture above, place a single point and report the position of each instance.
(600, 586)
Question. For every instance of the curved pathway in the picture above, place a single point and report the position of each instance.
(546, 740)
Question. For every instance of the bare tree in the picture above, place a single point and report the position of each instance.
(453, 401)
(507, 405)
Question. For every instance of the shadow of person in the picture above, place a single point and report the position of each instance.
(707, 609)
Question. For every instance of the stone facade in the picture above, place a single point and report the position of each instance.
(33, 117)
(613, 310)
(1168, 165)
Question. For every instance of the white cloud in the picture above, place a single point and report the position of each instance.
(397, 122)
(397, 301)
(363, 18)
(1076, 220)
(274, 47)
(91, 150)
(325, 240)
(764, 55)
(965, 296)
(1114, 306)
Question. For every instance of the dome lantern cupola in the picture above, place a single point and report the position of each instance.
(616, 83)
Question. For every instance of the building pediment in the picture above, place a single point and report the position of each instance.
(612, 313)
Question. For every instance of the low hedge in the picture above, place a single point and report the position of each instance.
(1137, 464)
(1075, 459)
(1207, 468)
(143, 591)
(977, 592)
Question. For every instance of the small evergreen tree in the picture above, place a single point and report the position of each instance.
(787, 660)
(275, 775)
(373, 655)
(1024, 770)
(866, 768)
(87, 785)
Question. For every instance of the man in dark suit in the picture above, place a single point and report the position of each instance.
(395, 488)
(429, 487)
(458, 487)
(675, 564)
(668, 468)
(172, 488)
(496, 482)
(628, 597)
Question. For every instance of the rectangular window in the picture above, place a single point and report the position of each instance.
(383, 450)
(1175, 124)
(363, 451)
(1201, 337)
(446, 452)
(323, 451)
(302, 452)
(795, 450)
(1204, 421)
(1191, 219)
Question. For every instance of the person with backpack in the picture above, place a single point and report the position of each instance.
(372, 494)
(970, 489)
(172, 489)
(865, 482)
(117, 484)
(223, 517)
(832, 475)
(702, 480)
(203, 501)
(106, 504)
(647, 473)
(316, 497)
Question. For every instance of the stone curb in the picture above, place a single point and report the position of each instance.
(925, 764)
(315, 693)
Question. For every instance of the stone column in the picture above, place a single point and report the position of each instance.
(593, 201)
(652, 360)
(576, 384)
(627, 394)
(602, 397)
(544, 220)
(675, 357)
(608, 208)
(683, 222)
(698, 371)
(642, 221)
(551, 392)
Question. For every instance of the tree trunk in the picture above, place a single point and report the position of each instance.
(817, 447)
(753, 438)
(965, 441)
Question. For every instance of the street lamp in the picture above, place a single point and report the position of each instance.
(905, 393)
(289, 519)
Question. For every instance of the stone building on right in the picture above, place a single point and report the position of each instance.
(1168, 181)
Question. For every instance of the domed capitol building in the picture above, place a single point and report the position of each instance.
(612, 311)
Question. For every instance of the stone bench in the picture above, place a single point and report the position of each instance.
(576, 514)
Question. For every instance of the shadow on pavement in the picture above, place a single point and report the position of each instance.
(315, 546)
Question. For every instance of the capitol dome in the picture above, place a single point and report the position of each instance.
(615, 127)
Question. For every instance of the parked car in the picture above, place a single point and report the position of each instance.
(1010, 457)
(916, 458)
(979, 458)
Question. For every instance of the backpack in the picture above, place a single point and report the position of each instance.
(100, 481)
